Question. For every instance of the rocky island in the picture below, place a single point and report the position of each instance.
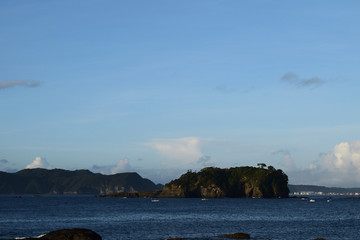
(237, 182)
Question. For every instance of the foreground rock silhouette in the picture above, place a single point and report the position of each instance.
(86, 234)
(70, 234)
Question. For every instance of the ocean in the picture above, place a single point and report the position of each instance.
(141, 218)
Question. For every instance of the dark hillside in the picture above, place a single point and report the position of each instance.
(59, 181)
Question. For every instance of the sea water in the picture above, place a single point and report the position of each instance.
(142, 218)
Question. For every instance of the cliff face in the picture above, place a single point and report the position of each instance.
(241, 182)
(212, 191)
(173, 191)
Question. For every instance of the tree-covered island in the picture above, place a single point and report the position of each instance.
(237, 182)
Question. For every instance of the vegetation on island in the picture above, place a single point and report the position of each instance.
(59, 181)
(237, 182)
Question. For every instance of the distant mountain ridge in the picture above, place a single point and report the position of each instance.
(59, 181)
(314, 188)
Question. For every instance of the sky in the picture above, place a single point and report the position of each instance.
(162, 87)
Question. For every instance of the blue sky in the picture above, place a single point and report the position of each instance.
(160, 87)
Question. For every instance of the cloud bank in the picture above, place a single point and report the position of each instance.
(180, 152)
(340, 167)
(343, 164)
(121, 166)
(39, 162)
(294, 79)
(14, 83)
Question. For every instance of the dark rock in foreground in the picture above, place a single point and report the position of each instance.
(232, 236)
(237, 236)
(70, 234)
(238, 182)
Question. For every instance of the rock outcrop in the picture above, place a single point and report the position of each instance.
(237, 236)
(177, 191)
(69, 234)
(230, 236)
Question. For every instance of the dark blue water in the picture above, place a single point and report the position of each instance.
(118, 218)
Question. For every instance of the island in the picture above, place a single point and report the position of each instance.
(236, 182)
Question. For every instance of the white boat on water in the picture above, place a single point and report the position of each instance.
(155, 200)
(312, 200)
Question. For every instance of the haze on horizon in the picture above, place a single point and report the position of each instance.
(160, 87)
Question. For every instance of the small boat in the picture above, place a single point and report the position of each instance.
(204, 199)
(312, 200)
(155, 200)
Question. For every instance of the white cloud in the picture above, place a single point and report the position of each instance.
(343, 163)
(121, 166)
(341, 167)
(178, 151)
(39, 162)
